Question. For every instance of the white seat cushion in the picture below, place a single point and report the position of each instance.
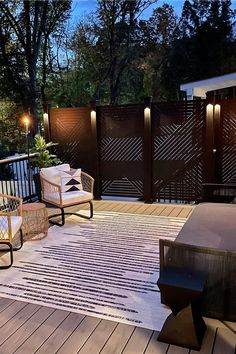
(69, 197)
(16, 222)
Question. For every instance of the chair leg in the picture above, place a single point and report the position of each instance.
(91, 209)
(62, 214)
(84, 216)
(21, 242)
(11, 255)
(11, 249)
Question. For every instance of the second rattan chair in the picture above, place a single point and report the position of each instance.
(54, 193)
(10, 225)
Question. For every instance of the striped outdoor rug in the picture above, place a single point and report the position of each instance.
(105, 267)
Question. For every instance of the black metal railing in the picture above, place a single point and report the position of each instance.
(16, 177)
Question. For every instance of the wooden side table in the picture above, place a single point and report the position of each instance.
(35, 221)
(181, 290)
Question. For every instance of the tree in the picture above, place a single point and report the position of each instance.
(158, 35)
(106, 44)
(12, 137)
(205, 46)
(25, 29)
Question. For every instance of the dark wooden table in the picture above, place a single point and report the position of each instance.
(182, 290)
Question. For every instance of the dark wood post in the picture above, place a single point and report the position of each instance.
(209, 169)
(46, 122)
(147, 150)
(94, 149)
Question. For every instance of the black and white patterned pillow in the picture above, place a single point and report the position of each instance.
(71, 180)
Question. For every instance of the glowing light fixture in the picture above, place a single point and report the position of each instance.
(147, 112)
(26, 122)
(93, 115)
(45, 118)
(209, 112)
(217, 109)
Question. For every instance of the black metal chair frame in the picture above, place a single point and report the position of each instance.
(10, 206)
(62, 214)
(11, 249)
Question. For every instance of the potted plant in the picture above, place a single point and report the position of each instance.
(43, 158)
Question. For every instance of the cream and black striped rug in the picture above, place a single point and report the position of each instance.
(105, 267)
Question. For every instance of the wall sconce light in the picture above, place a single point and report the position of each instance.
(217, 110)
(147, 109)
(209, 112)
(93, 115)
(147, 112)
(45, 118)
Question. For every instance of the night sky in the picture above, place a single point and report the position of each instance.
(82, 8)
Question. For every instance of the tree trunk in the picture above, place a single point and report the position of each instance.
(35, 120)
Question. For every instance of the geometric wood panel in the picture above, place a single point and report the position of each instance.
(71, 129)
(177, 147)
(120, 140)
(177, 133)
(228, 141)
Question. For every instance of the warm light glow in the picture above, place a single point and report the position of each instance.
(217, 109)
(26, 121)
(45, 117)
(147, 113)
(147, 110)
(209, 109)
(93, 115)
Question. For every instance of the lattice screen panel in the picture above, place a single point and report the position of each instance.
(228, 138)
(178, 149)
(120, 131)
(182, 187)
(71, 129)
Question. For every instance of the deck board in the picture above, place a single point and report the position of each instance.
(4, 303)
(138, 341)
(142, 208)
(173, 349)
(167, 211)
(11, 311)
(36, 340)
(184, 213)
(158, 210)
(116, 343)
(17, 321)
(23, 332)
(231, 325)
(28, 328)
(208, 341)
(60, 335)
(80, 335)
(98, 338)
(153, 208)
(225, 341)
(155, 347)
(175, 212)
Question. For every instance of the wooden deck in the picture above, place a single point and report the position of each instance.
(28, 328)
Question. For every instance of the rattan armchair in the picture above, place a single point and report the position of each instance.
(52, 194)
(10, 224)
